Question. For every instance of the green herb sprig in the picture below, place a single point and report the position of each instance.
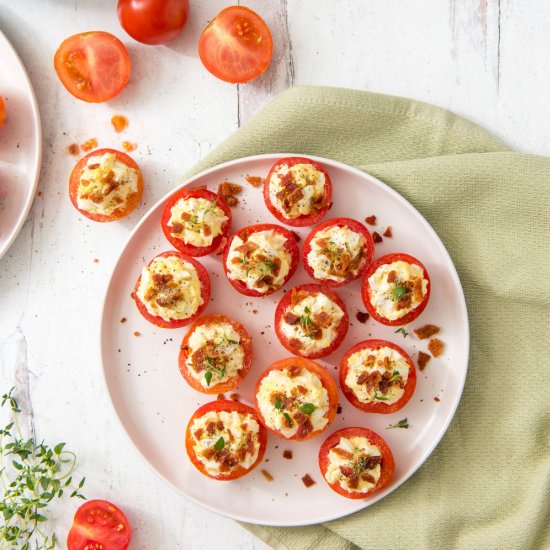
(402, 331)
(403, 423)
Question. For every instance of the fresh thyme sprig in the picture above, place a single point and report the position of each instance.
(403, 423)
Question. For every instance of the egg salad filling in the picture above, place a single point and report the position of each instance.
(170, 288)
(311, 321)
(293, 401)
(397, 288)
(337, 253)
(106, 184)
(354, 464)
(196, 221)
(224, 441)
(261, 263)
(377, 375)
(297, 190)
(215, 353)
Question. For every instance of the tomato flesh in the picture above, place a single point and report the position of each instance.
(237, 45)
(93, 66)
(2, 112)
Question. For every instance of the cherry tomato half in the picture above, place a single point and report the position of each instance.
(93, 66)
(153, 21)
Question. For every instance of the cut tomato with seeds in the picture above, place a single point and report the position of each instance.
(93, 66)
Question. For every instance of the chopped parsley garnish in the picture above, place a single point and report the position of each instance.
(394, 375)
(379, 397)
(398, 292)
(220, 444)
(308, 408)
(404, 423)
(278, 404)
(288, 419)
(208, 377)
(402, 331)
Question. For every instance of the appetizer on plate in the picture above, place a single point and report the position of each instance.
(225, 439)
(195, 221)
(259, 259)
(298, 191)
(396, 289)
(172, 290)
(377, 376)
(106, 185)
(356, 462)
(216, 354)
(311, 321)
(338, 251)
(296, 398)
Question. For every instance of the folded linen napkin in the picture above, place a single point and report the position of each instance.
(487, 484)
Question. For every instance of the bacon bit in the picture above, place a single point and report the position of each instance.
(221, 246)
(436, 398)
(220, 396)
(307, 481)
(94, 166)
(198, 433)
(423, 359)
(39, 193)
(392, 276)
(339, 410)
(362, 316)
(294, 371)
(287, 454)
(254, 311)
(343, 453)
(119, 122)
(255, 181)
(297, 237)
(371, 220)
(73, 149)
(129, 146)
(377, 238)
(235, 397)
(228, 188)
(231, 201)
(96, 260)
(123, 320)
(136, 333)
(388, 232)
(267, 475)
(426, 331)
(89, 144)
(290, 318)
(435, 345)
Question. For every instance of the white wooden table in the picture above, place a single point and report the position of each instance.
(485, 59)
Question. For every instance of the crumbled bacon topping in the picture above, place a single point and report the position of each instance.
(371, 220)
(362, 316)
(129, 146)
(267, 475)
(378, 381)
(227, 191)
(435, 345)
(308, 481)
(72, 149)
(388, 232)
(377, 238)
(423, 359)
(119, 122)
(220, 397)
(426, 331)
(255, 181)
(89, 144)
(287, 454)
(164, 290)
(341, 262)
(290, 318)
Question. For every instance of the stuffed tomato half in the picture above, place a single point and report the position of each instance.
(338, 251)
(377, 376)
(298, 191)
(215, 354)
(356, 462)
(225, 440)
(172, 290)
(296, 398)
(258, 260)
(311, 321)
(196, 221)
(396, 289)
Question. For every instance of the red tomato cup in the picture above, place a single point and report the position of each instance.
(216, 354)
(106, 185)
(377, 376)
(311, 321)
(195, 221)
(337, 251)
(225, 439)
(172, 290)
(356, 462)
(259, 259)
(296, 398)
(396, 289)
(99, 524)
(298, 191)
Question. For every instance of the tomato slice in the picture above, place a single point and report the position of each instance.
(303, 220)
(231, 383)
(93, 66)
(237, 45)
(366, 290)
(387, 465)
(100, 525)
(304, 326)
(2, 112)
(180, 244)
(378, 407)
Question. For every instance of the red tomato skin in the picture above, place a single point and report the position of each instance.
(220, 45)
(86, 534)
(205, 293)
(2, 112)
(388, 259)
(189, 249)
(382, 408)
(326, 380)
(74, 182)
(232, 383)
(341, 330)
(300, 221)
(229, 406)
(290, 246)
(90, 88)
(153, 21)
(355, 226)
(387, 464)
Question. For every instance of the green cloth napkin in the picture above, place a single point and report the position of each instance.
(487, 485)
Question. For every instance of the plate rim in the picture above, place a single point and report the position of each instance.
(465, 357)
